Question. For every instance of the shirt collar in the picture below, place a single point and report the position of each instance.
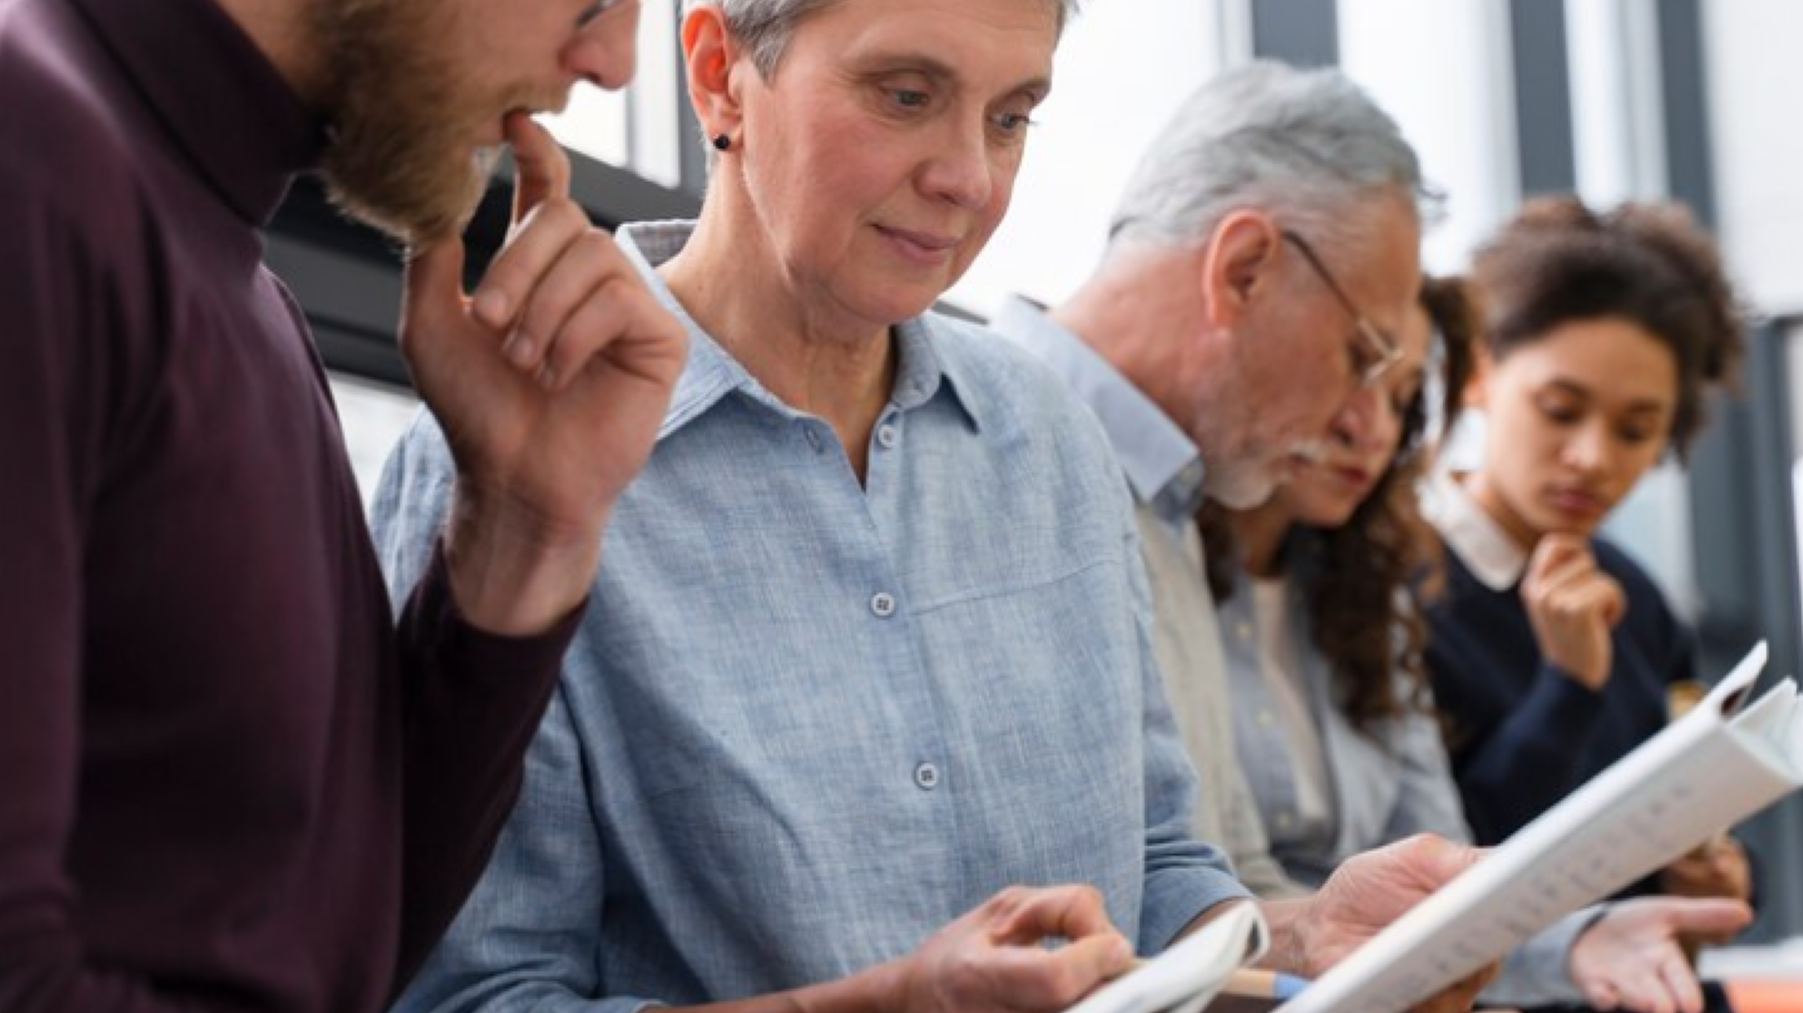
(1161, 462)
(711, 372)
(215, 94)
(1480, 543)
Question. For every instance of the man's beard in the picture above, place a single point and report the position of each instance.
(401, 118)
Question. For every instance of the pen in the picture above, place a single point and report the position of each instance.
(1264, 984)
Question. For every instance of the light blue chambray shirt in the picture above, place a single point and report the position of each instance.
(806, 723)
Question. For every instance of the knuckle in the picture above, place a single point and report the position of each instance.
(625, 290)
(563, 211)
(538, 320)
(1006, 899)
(508, 275)
(1062, 984)
(593, 246)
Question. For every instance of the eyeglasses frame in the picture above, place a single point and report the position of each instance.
(1386, 352)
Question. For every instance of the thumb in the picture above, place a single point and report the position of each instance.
(1100, 957)
(1711, 915)
(1551, 552)
(1615, 606)
(431, 288)
(1036, 978)
(1427, 862)
(1441, 859)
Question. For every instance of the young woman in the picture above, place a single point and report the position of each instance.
(1326, 665)
(1551, 651)
(1334, 727)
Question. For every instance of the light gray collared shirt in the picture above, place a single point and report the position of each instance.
(807, 722)
(1165, 472)
(1162, 465)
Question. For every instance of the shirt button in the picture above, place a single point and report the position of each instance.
(1243, 631)
(1284, 819)
(1264, 719)
(887, 436)
(882, 604)
(926, 777)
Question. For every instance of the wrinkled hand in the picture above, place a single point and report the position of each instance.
(1631, 958)
(991, 958)
(1363, 896)
(1717, 869)
(549, 385)
(1572, 605)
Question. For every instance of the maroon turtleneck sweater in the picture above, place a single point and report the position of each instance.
(227, 782)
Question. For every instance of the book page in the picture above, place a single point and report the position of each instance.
(1702, 774)
(1189, 972)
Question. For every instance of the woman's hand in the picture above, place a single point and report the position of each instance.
(1717, 869)
(1632, 957)
(993, 958)
(1572, 606)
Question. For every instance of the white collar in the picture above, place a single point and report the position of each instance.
(1473, 535)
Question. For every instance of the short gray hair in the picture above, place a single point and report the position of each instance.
(1309, 147)
(764, 26)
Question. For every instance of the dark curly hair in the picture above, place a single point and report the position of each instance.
(1355, 576)
(1647, 263)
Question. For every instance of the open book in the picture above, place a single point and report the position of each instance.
(1187, 975)
(1712, 768)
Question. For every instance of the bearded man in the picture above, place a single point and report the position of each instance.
(231, 780)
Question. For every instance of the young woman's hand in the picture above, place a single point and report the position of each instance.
(1717, 869)
(1572, 606)
(1633, 958)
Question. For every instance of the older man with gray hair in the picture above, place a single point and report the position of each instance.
(1206, 336)
(1262, 257)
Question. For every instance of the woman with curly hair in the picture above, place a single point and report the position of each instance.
(1551, 651)
(1334, 722)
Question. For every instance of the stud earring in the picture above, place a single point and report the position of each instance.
(722, 142)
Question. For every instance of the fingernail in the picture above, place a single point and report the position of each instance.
(519, 349)
(547, 377)
(491, 307)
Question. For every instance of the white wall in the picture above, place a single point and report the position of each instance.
(1755, 83)
(373, 417)
(1618, 124)
(1122, 68)
(1443, 71)
(637, 128)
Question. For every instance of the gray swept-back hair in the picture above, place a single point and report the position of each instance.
(764, 26)
(1308, 147)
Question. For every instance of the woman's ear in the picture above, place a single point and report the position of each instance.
(709, 54)
(1236, 264)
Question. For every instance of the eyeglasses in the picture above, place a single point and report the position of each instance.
(1375, 352)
